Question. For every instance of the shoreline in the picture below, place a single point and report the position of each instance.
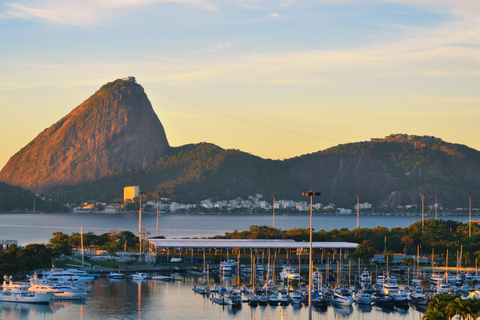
(427, 215)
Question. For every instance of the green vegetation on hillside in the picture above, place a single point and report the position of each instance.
(386, 172)
(13, 198)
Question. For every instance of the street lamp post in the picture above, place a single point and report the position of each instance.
(310, 194)
(423, 223)
(273, 225)
(140, 224)
(469, 216)
(358, 210)
(436, 206)
(157, 214)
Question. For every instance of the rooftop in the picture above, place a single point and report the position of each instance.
(248, 243)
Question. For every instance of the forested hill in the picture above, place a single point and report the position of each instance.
(385, 172)
(13, 198)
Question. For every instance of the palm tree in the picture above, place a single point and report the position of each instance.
(434, 314)
(456, 307)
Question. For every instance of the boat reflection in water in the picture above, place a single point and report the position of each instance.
(365, 308)
(14, 310)
(342, 310)
(147, 300)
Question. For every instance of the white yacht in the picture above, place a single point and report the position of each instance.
(159, 277)
(364, 298)
(140, 276)
(18, 292)
(289, 273)
(62, 276)
(342, 296)
(225, 269)
(59, 292)
(115, 275)
(365, 277)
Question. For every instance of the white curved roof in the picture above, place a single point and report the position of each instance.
(248, 243)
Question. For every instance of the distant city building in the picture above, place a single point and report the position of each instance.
(363, 206)
(7, 243)
(130, 192)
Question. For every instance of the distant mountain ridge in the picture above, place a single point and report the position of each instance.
(115, 139)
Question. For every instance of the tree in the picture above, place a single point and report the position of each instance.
(364, 251)
(60, 242)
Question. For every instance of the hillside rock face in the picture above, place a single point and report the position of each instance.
(114, 130)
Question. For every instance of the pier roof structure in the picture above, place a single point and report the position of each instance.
(248, 243)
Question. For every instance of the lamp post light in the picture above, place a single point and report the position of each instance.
(273, 225)
(310, 194)
(423, 223)
(469, 216)
(436, 206)
(358, 210)
(140, 224)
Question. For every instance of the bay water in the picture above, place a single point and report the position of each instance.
(128, 299)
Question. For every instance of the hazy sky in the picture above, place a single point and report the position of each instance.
(276, 79)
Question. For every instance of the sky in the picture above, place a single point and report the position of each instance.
(276, 79)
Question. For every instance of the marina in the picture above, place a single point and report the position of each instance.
(244, 288)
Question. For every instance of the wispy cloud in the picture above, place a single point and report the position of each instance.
(219, 47)
(83, 12)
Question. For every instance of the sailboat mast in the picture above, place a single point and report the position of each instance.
(81, 241)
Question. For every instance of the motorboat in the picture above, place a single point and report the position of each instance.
(225, 269)
(320, 300)
(59, 293)
(342, 296)
(289, 273)
(444, 287)
(416, 281)
(362, 297)
(384, 300)
(160, 277)
(284, 300)
(18, 292)
(418, 297)
(81, 273)
(58, 275)
(252, 300)
(391, 289)
(176, 259)
(465, 288)
(263, 300)
(115, 275)
(273, 300)
(436, 278)
(297, 297)
(140, 276)
(450, 278)
(380, 280)
(365, 277)
(234, 299)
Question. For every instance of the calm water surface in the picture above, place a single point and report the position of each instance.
(38, 228)
(127, 299)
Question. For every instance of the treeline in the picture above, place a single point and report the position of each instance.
(14, 198)
(111, 241)
(436, 235)
(37, 256)
(34, 256)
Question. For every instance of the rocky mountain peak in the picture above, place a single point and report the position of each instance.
(114, 130)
